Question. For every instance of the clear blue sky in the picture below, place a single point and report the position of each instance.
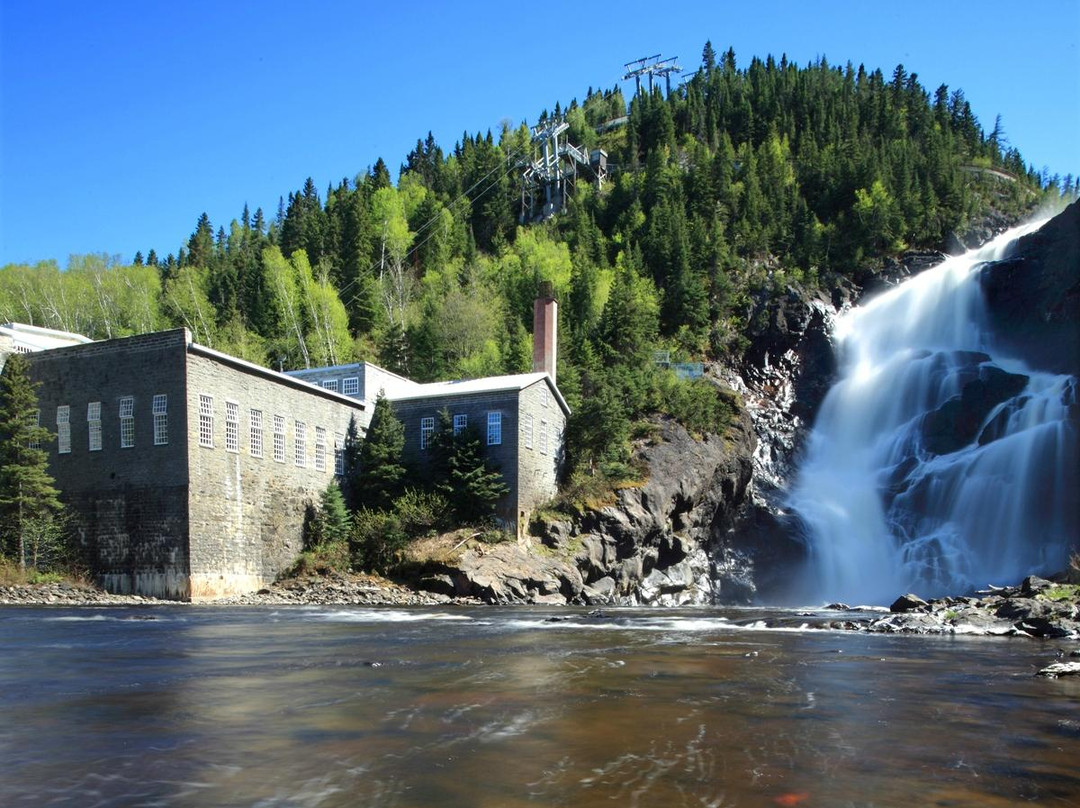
(121, 122)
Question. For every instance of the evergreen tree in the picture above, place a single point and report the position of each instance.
(29, 502)
(464, 475)
(331, 525)
(381, 475)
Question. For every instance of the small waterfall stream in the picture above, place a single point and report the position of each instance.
(937, 464)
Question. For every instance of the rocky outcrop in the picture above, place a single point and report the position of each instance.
(1037, 608)
(664, 542)
(1033, 296)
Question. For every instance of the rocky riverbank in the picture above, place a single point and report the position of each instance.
(1036, 608)
(335, 589)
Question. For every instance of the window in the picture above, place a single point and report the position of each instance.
(127, 422)
(232, 426)
(330, 384)
(320, 449)
(34, 421)
(351, 386)
(494, 428)
(206, 421)
(339, 454)
(161, 420)
(255, 433)
(63, 429)
(543, 436)
(300, 444)
(527, 429)
(279, 438)
(427, 428)
(544, 398)
(460, 422)
(93, 425)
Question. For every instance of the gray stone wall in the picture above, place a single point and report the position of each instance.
(247, 512)
(129, 504)
(540, 465)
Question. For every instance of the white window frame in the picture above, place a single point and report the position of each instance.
(543, 437)
(339, 454)
(127, 422)
(279, 438)
(330, 384)
(255, 432)
(300, 444)
(206, 421)
(350, 386)
(494, 428)
(527, 425)
(544, 396)
(34, 420)
(427, 429)
(93, 425)
(232, 427)
(320, 449)
(63, 429)
(160, 410)
(461, 423)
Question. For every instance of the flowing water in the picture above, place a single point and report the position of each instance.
(187, 706)
(892, 500)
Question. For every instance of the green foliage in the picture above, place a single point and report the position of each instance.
(699, 405)
(379, 479)
(29, 503)
(462, 474)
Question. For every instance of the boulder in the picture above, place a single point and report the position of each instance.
(908, 603)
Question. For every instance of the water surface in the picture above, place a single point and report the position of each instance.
(508, 707)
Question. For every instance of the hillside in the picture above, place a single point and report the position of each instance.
(719, 196)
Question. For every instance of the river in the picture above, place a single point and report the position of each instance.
(194, 706)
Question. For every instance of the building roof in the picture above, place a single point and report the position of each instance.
(488, 384)
(37, 334)
(259, 370)
(352, 367)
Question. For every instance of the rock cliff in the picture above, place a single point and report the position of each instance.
(1034, 295)
(664, 542)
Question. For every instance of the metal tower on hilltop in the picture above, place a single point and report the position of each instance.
(651, 66)
(548, 181)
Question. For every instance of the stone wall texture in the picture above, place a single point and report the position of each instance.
(129, 504)
(246, 511)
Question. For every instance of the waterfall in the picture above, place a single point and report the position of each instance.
(937, 463)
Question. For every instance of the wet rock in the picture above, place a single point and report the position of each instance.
(908, 603)
(1057, 669)
(601, 592)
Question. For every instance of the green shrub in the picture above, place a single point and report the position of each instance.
(421, 512)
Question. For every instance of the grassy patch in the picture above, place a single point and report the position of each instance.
(1062, 593)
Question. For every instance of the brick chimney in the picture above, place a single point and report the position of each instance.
(545, 330)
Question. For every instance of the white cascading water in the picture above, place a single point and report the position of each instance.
(891, 501)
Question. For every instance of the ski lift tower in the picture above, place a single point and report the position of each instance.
(651, 66)
(549, 180)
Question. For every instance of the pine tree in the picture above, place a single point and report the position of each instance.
(381, 475)
(473, 485)
(28, 499)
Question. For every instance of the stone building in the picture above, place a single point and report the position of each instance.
(189, 471)
(521, 417)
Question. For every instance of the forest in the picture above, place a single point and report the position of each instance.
(739, 183)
